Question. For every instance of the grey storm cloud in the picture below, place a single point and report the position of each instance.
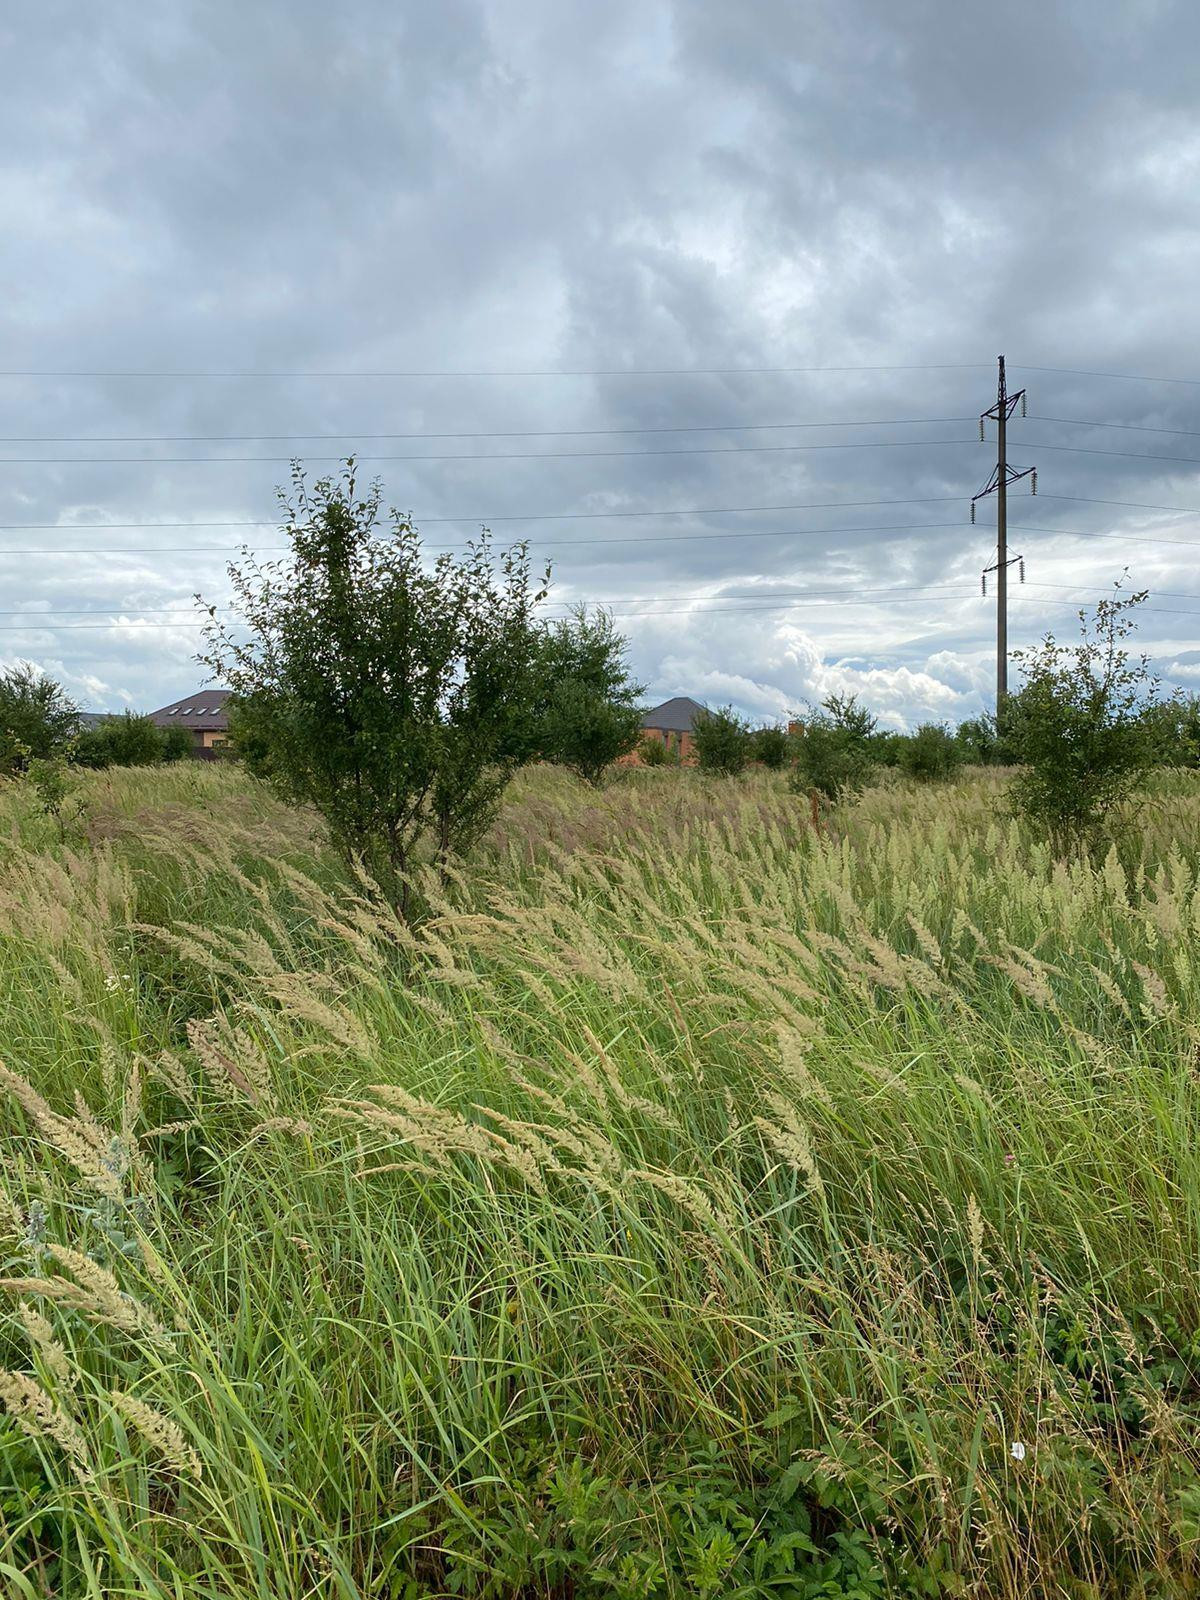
(648, 197)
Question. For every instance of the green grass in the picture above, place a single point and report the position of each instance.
(693, 1206)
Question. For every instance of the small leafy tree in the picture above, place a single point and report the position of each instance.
(55, 792)
(1084, 737)
(591, 715)
(930, 754)
(587, 732)
(722, 741)
(848, 715)
(396, 696)
(772, 747)
(37, 720)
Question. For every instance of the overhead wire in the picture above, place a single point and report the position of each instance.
(1134, 537)
(1083, 372)
(484, 455)
(466, 433)
(494, 372)
(843, 594)
(479, 519)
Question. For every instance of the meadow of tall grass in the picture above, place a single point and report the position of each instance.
(694, 1204)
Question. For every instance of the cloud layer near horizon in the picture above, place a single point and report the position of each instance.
(568, 188)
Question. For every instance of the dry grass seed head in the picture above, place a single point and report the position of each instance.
(159, 1431)
(789, 1137)
(41, 1336)
(76, 1141)
(36, 1414)
(91, 1290)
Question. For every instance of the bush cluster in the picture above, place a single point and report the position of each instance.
(129, 740)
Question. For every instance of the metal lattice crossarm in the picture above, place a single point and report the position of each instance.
(1012, 475)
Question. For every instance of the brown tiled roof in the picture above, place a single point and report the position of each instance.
(203, 710)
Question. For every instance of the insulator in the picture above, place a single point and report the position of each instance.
(1021, 568)
(972, 511)
(981, 430)
(1023, 411)
(983, 584)
(1033, 475)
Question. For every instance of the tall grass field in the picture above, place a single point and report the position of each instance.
(695, 1203)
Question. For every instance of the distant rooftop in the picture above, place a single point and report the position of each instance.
(675, 716)
(204, 709)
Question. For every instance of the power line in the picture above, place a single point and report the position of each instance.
(484, 455)
(566, 544)
(1127, 538)
(595, 372)
(582, 372)
(557, 433)
(1091, 422)
(485, 518)
(740, 607)
(1085, 450)
(1132, 505)
(532, 516)
(851, 595)
(630, 539)
(849, 591)
(1129, 377)
(741, 603)
(470, 433)
(568, 455)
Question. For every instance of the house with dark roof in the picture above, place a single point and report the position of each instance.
(203, 714)
(673, 723)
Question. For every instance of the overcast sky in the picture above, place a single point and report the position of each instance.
(642, 190)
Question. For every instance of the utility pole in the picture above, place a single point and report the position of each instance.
(997, 484)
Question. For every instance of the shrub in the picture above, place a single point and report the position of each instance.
(125, 741)
(1085, 735)
(1173, 729)
(930, 754)
(830, 760)
(177, 743)
(653, 753)
(772, 747)
(834, 748)
(977, 740)
(722, 741)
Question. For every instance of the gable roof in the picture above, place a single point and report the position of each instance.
(204, 709)
(675, 716)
